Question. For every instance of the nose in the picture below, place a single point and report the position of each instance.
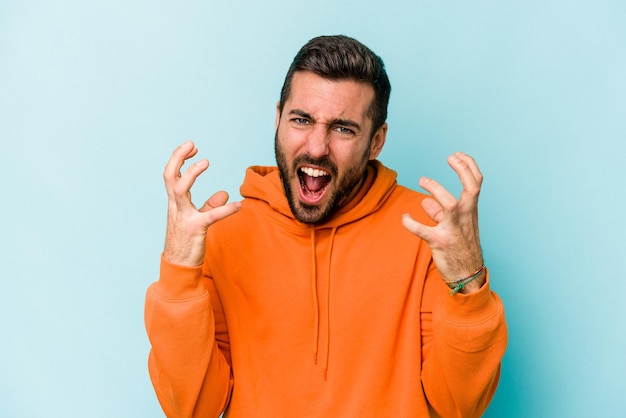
(318, 141)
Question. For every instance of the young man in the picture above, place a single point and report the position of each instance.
(330, 290)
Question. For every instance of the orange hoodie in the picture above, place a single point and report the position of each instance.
(345, 319)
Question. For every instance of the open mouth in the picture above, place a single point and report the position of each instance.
(313, 183)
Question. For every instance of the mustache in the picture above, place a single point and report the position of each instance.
(323, 162)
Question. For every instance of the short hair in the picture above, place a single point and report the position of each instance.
(340, 57)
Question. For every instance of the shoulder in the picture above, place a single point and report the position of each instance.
(405, 200)
(403, 195)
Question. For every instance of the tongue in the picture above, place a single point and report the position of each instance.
(314, 184)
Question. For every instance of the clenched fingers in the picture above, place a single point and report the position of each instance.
(171, 173)
(470, 176)
(221, 212)
(416, 228)
(181, 189)
(216, 208)
(218, 199)
(439, 193)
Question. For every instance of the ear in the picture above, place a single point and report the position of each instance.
(377, 142)
(277, 115)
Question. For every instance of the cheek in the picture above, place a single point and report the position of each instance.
(348, 155)
(283, 141)
(292, 143)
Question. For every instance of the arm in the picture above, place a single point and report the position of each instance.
(190, 374)
(464, 335)
(463, 340)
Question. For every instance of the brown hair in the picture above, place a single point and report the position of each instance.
(343, 58)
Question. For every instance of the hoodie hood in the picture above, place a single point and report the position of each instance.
(264, 183)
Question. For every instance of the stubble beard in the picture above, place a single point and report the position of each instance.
(343, 189)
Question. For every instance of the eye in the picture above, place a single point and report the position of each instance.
(300, 121)
(343, 131)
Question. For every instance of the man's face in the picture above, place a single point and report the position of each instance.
(323, 143)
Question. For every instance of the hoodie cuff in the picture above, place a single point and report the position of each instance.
(178, 282)
(470, 308)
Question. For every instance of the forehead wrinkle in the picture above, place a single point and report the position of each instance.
(345, 96)
(345, 122)
(302, 113)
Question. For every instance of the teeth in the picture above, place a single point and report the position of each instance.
(313, 172)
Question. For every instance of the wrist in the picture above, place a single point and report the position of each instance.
(188, 254)
(475, 285)
(468, 284)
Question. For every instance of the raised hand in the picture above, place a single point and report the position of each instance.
(187, 225)
(454, 241)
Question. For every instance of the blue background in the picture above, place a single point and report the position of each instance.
(94, 95)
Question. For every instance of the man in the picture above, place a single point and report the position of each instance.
(329, 291)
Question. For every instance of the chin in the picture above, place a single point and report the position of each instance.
(312, 214)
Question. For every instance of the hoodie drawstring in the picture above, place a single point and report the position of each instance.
(316, 315)
(330, 253)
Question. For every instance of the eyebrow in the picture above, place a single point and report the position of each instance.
(336, 121)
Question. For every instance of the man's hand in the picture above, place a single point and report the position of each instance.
(187, 225)
(454, 241)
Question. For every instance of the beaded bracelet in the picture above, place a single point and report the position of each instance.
(458, 285)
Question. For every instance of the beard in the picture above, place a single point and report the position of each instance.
(340, 189)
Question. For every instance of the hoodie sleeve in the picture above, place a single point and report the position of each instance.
(464, 338)
(189, 371)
